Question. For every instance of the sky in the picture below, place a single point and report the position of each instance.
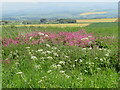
(59, 0)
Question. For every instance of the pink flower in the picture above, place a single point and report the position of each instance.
(79, 38)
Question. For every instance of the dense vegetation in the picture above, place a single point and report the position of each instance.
(53, 65)
(41, 21)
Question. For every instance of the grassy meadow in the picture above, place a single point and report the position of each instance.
(55, 65)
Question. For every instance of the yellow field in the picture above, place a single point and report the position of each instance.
(97, 20)
(54, 25)
(88, 13)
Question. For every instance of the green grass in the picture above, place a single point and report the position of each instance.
(97, 28)
(104, 28)
(58, 66)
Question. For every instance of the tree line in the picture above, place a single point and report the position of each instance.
(49, 21)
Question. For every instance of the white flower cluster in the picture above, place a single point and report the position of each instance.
(62, 71)
(37, 66)
(108, 52)
(56, 66)
(27, 47)
(41, 33)
(89, 36)
(30, 38)
(49, 71)
(55, 54)
(40, 50)
(84, 38)
(49, 57)
(19, 73)
(34, 57)
(62, 62)
(47, 45)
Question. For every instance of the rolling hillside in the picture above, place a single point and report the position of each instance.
(34, 11)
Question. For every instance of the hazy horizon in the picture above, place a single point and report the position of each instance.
(55, 9)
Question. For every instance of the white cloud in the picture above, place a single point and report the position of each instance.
(60, 0)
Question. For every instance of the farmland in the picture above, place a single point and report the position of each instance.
(60, 57)
(89, 13)
(79, 23)
(52, 25)
(97, 20)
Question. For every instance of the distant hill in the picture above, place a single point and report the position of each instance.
(35, 11)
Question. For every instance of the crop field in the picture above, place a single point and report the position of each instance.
(89, 13)
(60, 57)
(53, 25)
(98, 20)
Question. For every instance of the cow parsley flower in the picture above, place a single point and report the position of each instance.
(48, 52)
(98, 68)
(43, 53)
(100, 49)
(107, 54)
(109, 50)
(49, 71)
(85, 70)
(46, 35)
(55, 54)
(62, 71)
(49, 57)
(84, 49)
(33, 57)
(30, 38)
(101, 59)
(28, 47)
(90, 48)
(76, 60)
(40, 50)
(37, 66)
(42, 58)
(47, 45)
(58, 65)
(67, 56)
(54, 48)
(41, 33)
(84, 38)
(80, 60)
(19, 72)
(80, 74)
(54, 66)
(96, 58)
(40, 81)
(16, 63)
(89, 36)
(67, 76)
(61, 62)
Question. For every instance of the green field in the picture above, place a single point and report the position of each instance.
(49, 65)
